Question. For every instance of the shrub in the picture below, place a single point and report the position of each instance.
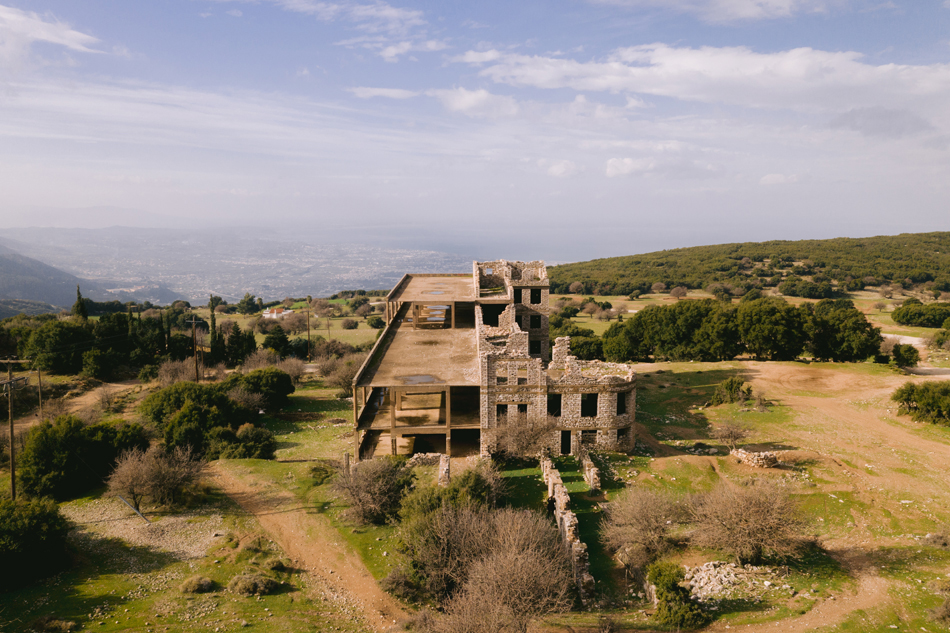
(349, 324)
(32, 540)
(637, 526)
(163, 405)
(942, 612)
(252, 585)
(65, 458)
(675, 607)
(523, 435)
(271, 383)
(293, 367)
(155, 475)
(148, 373)
(375, 488)
(731, 434)
(252, 443)
(905, 356)
(174, 371)
(344, 372)
(731, 390)
(197, 584)
(376, 322)
(749, 522)
(926, 402)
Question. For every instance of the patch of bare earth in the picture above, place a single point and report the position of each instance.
(313, 544)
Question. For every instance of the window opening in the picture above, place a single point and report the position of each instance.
(588, 405)
(621, 404)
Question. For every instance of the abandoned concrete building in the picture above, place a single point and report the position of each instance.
(463, 356)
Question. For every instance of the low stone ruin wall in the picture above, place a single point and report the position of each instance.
(425, 459)
(444, 472)
(591, 473)
(758, 460)
(567, 526)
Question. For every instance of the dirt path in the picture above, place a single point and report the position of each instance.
(313, 544)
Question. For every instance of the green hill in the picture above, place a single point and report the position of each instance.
(26, 279)
(841, 263)
(13, 307)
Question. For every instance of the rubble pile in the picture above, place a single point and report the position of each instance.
(719, 580)
(765, 459)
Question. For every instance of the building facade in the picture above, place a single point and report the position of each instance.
(464, 359)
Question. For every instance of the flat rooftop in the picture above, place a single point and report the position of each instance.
(436, 288)
(426, 358)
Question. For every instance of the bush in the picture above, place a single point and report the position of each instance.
(905, 356)
(376, 322)
(730, 434)
(155, 475)
(160, 407)
(637, 526)
(32, 541)
(675, 607)
(925, 402)
(731, 390)
(174, 371)
(522, 435)
(197, 584)
(252, 585)
(749, 522)
(375, 488)
(271, 383)
(148, 373)
(251, 442)
(65, 458)
(349, 324)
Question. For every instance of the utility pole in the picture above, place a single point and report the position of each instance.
(309, 360)
(39, 385)
(9, 385)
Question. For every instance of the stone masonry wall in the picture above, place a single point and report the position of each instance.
(758, 460)
(591, 473)
(567, 526)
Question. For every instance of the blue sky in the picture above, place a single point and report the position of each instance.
(557, 129)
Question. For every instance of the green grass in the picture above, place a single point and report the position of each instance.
(115, 587)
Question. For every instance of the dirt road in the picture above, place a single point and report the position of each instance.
(312, 543)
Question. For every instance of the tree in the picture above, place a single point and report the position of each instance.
(675, 607)
(637, 526)
(57, 347)
(730, 434)
(679, 292)
(771, 328)
(79, 308)
(658, 287)
(524, 435)
(155, 475)
(277, 340)
(905, 356)
(247, 305)
(576, 288)
(749, 522)
(376, 322)
(375, 488)
(349, 324)
(840, 332)
(32, 540)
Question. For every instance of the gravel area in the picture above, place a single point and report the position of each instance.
(186, 536)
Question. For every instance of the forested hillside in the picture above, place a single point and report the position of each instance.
(802, 266)
(27, 279)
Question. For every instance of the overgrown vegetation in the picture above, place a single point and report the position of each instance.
(155, 475)
(852, 263)
(925, 402)
(675, 608)
(375, 488)
(32, 541)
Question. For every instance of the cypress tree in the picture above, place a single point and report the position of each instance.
(79, 308)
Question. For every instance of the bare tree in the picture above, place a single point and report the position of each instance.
(637, 526)
(288, 302)
(294, 323)
(344, 373)
(245, 398)
(590, 309)
(730, 434)
(375, 488)
(879, 306)
(154, 475)
(679, 292)
(293, 367)
(576, 288)
(658, 287)
(750, 522)
(523, 435)
(364, 310)
(258, 360)
(172, 371)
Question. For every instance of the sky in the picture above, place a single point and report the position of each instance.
(562, 129)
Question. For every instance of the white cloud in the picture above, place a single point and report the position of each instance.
(624, 166)
(375, 17)
(391, 53)
(560, 168)
(479, 57)
(390, 93)
(882, 122)
(476, 103)
(778, 179)
(20, 29)
(802, 78)
(235, 13)
(732, 10)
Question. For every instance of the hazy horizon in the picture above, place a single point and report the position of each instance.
(565, 130)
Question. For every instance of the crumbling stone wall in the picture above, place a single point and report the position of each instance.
(567, 526)
(591, 473)
(765, 459)
(444, 471)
